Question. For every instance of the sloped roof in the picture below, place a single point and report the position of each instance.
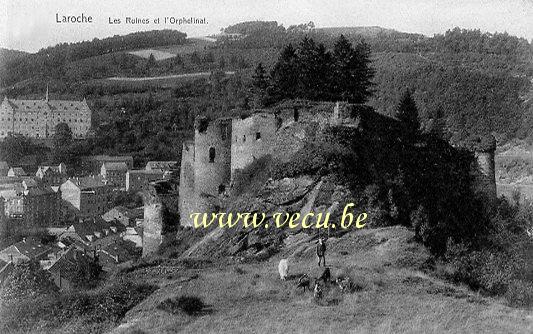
(115, 166)
(67, 264)
(91, 226)
(39, 191)
(48, 106)
(111, 157)
(32, 248)
(125, 250)
(88, 182)
(147, 172)
(12, 253)
(18, 171)
(161, 164)
(54, 169)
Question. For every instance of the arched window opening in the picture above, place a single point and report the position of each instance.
(212, 154)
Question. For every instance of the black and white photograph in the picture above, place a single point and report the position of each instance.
(266, 166)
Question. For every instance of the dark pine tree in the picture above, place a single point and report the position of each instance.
(408, 115)
(284, 75)
(364, 72)
(314, 70)
(260, 85)
(345, 81)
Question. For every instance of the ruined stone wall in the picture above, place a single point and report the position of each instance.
(152, 224)
(187, 196)
(212, 156)
(252, 138)
(485, 177)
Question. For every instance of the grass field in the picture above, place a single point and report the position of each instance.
(394, 295)
(158, 55)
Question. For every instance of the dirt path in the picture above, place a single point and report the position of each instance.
(164, 77)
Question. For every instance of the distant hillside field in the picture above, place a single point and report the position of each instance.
(158, 55)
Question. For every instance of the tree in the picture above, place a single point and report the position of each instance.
(260, 85)
(314, 71)
(284, 75)
(408, 115)
(62, 141)
(352, 74)
(151, 61)
(63, 135)
(364, 71)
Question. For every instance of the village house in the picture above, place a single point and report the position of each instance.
(16, 172)
(34, 205)
(86, 196)
(162, 165)
(114, 173)
(93, 163)
(26, 250)
(137, 180)
(117, 254)
(65, 269)
(52, 175)
(93, 233)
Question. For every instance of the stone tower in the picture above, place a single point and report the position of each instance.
(187, 197)
(212, 155)
(206, 167)
(252, 139)
(484, 169)
(152, 223)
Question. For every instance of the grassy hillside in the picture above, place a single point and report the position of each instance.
(393, 294)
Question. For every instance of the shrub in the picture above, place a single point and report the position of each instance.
(27, 280)
(520, 294)
(93, 309)
(191, 305)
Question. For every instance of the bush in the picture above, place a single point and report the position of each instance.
(93, 309)
(483, 270)
(27, 280)
(191, 305)
(520, 294)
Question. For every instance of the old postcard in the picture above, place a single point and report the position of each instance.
(245, 166)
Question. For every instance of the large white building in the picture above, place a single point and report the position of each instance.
(38, 118)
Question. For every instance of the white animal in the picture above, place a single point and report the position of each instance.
(283, 269)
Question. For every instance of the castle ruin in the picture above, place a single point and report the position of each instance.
(221, 148)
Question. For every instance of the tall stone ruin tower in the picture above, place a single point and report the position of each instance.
(212, 155)
(484, 169)
(205, 167)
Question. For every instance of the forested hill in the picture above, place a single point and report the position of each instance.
(474, 82)
(52, 62)
(7, 55)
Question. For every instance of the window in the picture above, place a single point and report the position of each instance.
(257, 135)
(212, 154)
(243, 138)
(221, 189)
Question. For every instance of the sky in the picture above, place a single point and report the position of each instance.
(30, 25)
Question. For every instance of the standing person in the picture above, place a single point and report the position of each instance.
(321, 251)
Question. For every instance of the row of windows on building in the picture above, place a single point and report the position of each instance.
(37, 135)
(50, 120)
